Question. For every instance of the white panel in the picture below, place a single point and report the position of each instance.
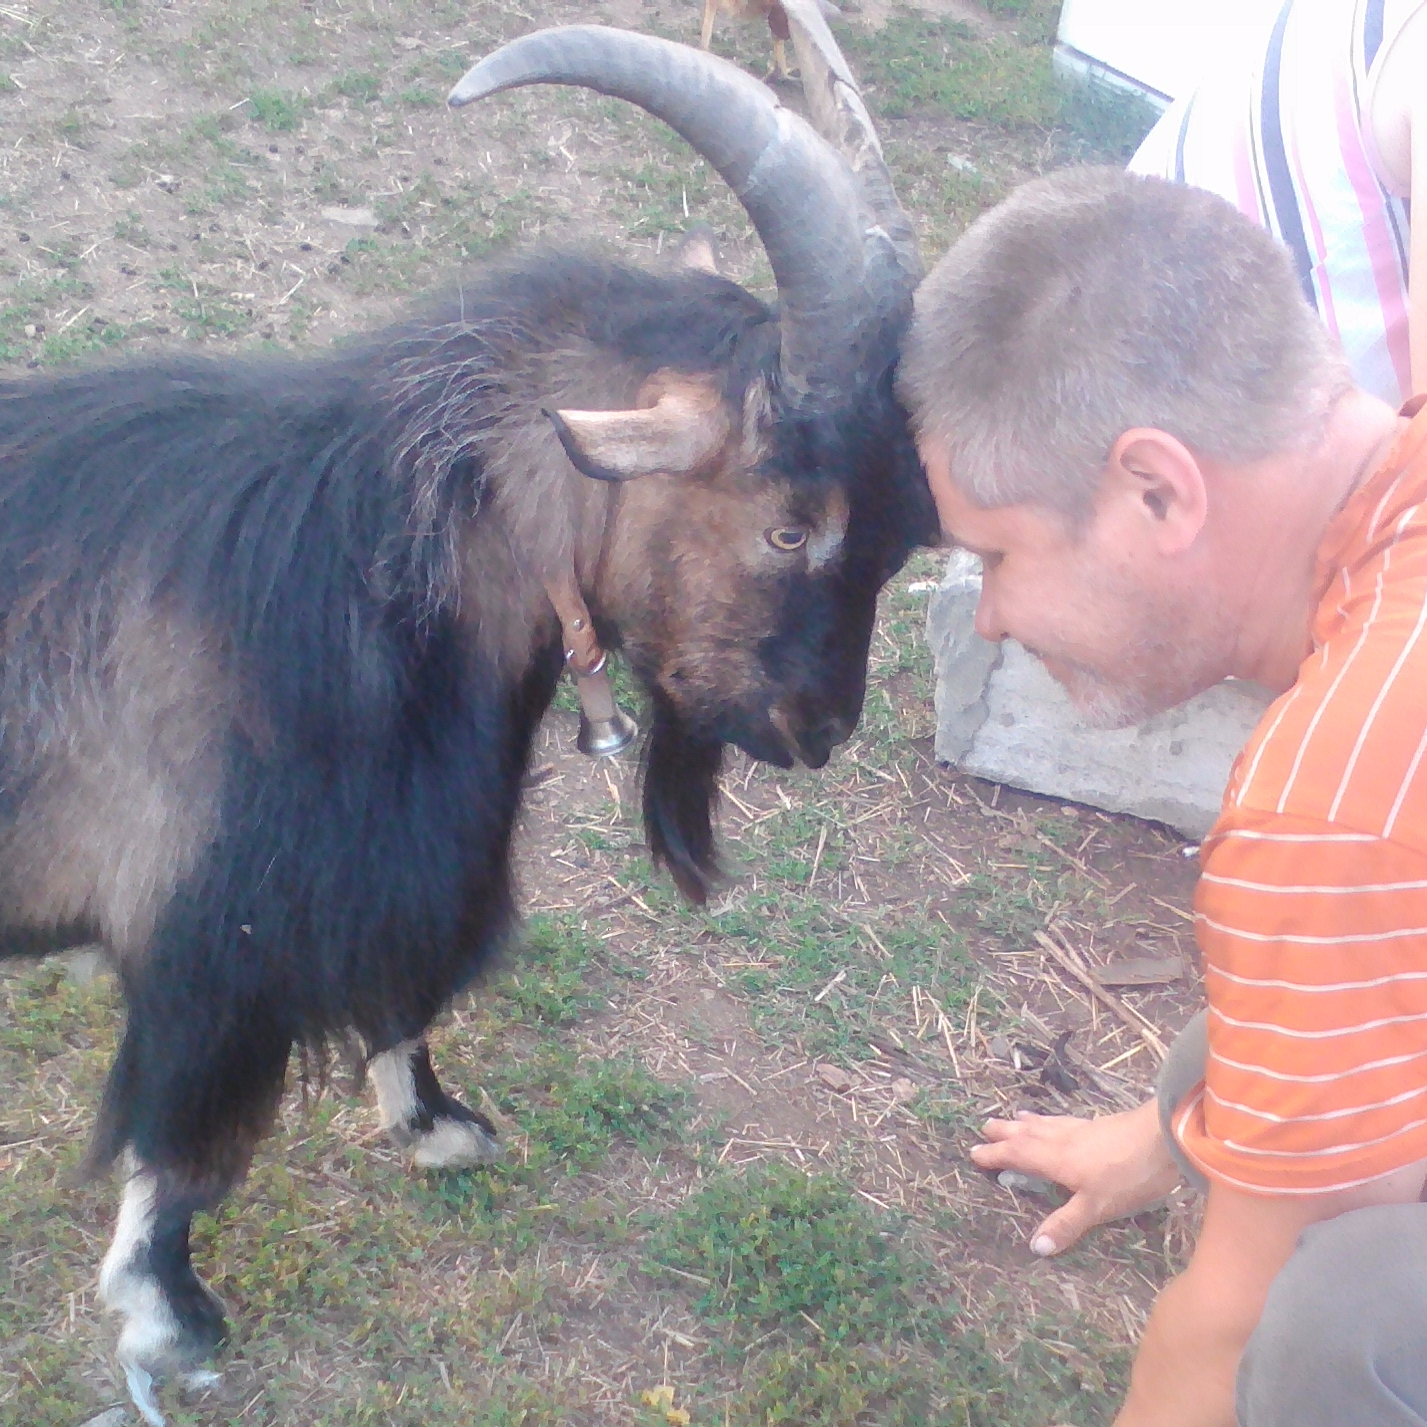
(1161, 46)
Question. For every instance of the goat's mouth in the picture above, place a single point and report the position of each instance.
(812, 743)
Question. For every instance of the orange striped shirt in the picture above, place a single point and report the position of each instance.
(1311, 911)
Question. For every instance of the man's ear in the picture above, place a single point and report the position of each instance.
(1163, 484)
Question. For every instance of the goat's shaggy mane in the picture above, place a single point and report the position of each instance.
(302, 518)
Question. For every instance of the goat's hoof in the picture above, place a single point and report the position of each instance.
(452, 1138)
(453, 1143)
(171, 1329)
(141, 1383)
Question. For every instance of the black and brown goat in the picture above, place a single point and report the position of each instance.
(275, 635)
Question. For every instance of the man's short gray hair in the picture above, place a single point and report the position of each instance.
(1092, 301)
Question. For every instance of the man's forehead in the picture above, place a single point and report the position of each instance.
(988, 530)
(996, 530)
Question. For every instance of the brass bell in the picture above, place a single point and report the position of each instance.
(605, 729)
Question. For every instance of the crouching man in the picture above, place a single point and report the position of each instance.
(1127, 409)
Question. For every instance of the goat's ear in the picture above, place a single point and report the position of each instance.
(682, 430)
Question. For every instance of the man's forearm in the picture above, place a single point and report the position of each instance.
(1184, 1372)
(1189, 1357)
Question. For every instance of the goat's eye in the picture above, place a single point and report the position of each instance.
(786, 537)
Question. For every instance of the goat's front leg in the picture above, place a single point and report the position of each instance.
(706, 33)
(172, 1322)
(438, 1131)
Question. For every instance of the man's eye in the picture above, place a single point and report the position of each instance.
(786, 537)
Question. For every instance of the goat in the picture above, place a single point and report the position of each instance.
(276, 634)
(770, 10)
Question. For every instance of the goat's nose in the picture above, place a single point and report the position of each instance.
(820, 737)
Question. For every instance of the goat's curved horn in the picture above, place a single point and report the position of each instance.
(838, 253)
(840, 116)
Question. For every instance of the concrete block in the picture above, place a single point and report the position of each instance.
(1001, 716)
(84, 964)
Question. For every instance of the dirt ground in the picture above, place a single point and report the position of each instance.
(871, 984)
(1058, 1050)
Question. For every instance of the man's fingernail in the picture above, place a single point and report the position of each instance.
(1043, 1246)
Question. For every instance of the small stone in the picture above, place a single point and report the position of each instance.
(1000, 1047)
(1140, 971)
(111, 1417)
(903, 1090)
(835, 1078)
(30, 329)
(351, 217)
(1019, 1183)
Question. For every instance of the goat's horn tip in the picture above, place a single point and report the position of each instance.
(468, 89)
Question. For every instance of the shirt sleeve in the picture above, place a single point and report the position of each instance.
(1314, 940)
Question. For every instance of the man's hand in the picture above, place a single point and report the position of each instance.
(1114, 1166)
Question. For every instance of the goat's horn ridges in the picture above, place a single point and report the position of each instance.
(811, 209)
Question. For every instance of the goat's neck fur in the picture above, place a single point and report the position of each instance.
(535, 521)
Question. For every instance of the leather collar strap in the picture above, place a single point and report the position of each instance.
(577, 630)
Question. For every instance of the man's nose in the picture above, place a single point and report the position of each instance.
(988, 621)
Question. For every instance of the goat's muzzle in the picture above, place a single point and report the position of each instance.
(811, 743)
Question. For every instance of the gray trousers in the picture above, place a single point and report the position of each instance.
(1343, 1337)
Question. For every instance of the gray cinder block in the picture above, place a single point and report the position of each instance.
(1001, 716)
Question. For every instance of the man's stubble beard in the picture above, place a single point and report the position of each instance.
(1169, 657)
(1100, 704)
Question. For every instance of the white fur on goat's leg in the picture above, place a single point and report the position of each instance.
(154, 1341)
(395, 1085)
(438, 1132)
(126, 1288)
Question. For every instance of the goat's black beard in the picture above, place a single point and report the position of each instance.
(681, 771)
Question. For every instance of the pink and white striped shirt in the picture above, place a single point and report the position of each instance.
(1277, 130)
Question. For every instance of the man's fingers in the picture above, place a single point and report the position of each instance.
(1017, 1153)
(993, 1156)
(1017, 1145)
(1061, 1229)
(1000, 1129)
